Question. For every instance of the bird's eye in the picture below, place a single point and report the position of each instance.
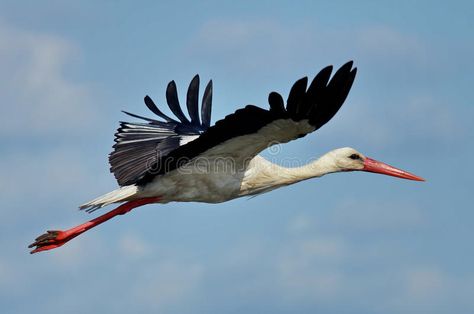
(354, 156)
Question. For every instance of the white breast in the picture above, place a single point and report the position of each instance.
(201, 180)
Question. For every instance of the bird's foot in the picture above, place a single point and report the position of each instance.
(50, 240)
(55, 238)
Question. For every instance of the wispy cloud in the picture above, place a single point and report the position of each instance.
(410, 122)
(307, 270)
(425, 282)
(167, 284)
(268, 45)
(133, 246)
(47, 179)
(38, 96)
(363, 215)
(383, 42)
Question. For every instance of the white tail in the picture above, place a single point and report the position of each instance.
(120, 195)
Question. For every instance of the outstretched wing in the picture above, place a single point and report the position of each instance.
(140, 145)
(248, 131)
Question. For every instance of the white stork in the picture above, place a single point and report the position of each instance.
(188, 160)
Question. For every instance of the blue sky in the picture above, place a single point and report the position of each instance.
(345, 243)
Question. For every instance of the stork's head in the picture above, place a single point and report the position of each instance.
(348, 159)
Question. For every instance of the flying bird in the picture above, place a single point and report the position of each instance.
(185, 159)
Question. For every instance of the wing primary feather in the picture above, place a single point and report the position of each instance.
(317, 90)
(139, 117)
(345, 88)
(333, 96)
(341, 74)
(206, 106)
(151, 105)
(341, 82)
(295, 98)
(192, 100)
(276, 103)
(320, 81)
(173, 102)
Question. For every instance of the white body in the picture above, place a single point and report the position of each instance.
(216, 181)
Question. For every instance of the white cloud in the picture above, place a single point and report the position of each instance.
(425, 283)
(166, 283)
(428, 118)
(266, 44)
(79, 253)
(11, 279)
(38, 97)
(48, 178)
(307, 268)
(410, 121)
(322, 269)
(357, 216)
(376, 216)
(133, 246)
(300, 223)
(254, 45)
(428, 288)
(388, 43)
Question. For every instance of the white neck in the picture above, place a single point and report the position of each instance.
(314, 169)
(269, 176)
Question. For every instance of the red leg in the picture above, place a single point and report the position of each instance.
(54, 239)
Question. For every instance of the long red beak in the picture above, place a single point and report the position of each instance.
(372, 165)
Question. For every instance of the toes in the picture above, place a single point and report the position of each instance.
(49, 235)
(46, 241)
(41, 248)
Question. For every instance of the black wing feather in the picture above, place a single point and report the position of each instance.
(331, 98)
(151, 105)
(173, 102)
(192, 100)
(295, 98)
(206, 106)
(320, 81)
(139, 117)
(276, 103)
